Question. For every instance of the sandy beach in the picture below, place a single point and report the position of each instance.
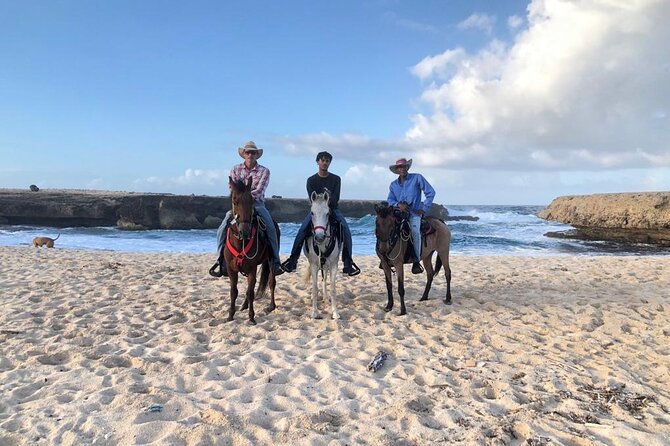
(108, 348)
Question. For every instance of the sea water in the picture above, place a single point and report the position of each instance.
(499, 230)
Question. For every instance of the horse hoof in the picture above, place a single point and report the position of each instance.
(270, 308)
(244, 306)
(229, 319)
(447, 301)
(422, 299)
(252, 322)
(402, 313)
(387, 309)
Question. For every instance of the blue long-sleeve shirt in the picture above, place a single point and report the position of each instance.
(410, 192)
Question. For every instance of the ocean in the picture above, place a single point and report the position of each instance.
(500, 230)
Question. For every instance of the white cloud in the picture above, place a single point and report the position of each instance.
(583, 86)
(483, 22)
(347, 146)
(192, 180)
(514, 21)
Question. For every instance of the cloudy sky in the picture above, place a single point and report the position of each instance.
(506, 102)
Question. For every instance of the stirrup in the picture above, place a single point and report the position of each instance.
(352, 270)
(417, 268)
(214, 273)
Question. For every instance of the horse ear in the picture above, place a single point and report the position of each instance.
(249, 180)
(312, 197)
(326, 195)
(230, 181)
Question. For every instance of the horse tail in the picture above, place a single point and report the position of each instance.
(438, 264)
(57, 237)
(263, 283)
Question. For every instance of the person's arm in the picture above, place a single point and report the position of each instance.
(335, 194)
(392, 198)
(235, 173)
(429, 192)
(310, 186)
(258, 190)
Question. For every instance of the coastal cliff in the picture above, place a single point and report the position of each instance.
(628, 217)
(131, 210)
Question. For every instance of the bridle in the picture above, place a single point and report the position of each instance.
(400, 231)
(247, 242)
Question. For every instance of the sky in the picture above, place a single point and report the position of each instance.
(496, 102)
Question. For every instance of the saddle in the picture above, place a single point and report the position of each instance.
(404, 230)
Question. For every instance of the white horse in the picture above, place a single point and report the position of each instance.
(323, 248)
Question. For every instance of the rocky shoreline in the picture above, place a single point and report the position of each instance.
(139, 211)
(624, 217)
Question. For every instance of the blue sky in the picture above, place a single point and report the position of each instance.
(505, 102)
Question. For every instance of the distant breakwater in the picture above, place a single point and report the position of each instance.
(137, 211)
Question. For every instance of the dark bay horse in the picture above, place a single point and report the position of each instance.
(392, 243)
(245, 249)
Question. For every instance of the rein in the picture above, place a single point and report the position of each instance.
(324, 254)
(397, 234)
(244, 252)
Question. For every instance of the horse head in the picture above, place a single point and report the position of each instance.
(384, 221)
(243, 206)
(320, 214)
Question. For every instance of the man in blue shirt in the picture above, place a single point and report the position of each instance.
(405, 194)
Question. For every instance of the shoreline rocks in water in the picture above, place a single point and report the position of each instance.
(624, 217)
(139, 211)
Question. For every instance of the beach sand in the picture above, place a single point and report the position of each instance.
(107, 348)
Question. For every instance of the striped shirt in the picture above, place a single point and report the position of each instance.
(260, 178)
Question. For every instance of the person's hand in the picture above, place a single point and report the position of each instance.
(403, 206)
(420, 212)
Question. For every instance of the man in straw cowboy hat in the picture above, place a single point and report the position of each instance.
(405, 194)
(260, 178)
(318, 182)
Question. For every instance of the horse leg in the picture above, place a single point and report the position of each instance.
(233, 294)
(273, 282)
(444, 257)
(333, 291)
(400, 271)
(430, 274)
(314, 271)
(389, 286)
(251, 284)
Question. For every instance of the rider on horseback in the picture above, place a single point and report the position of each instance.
(405, 194)
(318, 183)
(260, 178)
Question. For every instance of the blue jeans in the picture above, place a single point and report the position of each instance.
(346, 235)
(415, 222)
(262, 211)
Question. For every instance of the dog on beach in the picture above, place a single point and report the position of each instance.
(42, 241)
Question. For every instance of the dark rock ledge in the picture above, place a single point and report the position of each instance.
(130, 210)
(625, 217)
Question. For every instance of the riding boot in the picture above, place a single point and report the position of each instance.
(291, 263)
(417, 268)
(221, 261)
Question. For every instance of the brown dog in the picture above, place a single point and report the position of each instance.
(42, 241)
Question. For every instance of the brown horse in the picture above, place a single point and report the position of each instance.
(245, 249)
(392, 243)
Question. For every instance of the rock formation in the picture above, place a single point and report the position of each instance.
(130, 210)
(628, 217)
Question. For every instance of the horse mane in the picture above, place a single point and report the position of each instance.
(383, 209)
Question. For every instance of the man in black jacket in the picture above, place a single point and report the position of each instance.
(317, 183)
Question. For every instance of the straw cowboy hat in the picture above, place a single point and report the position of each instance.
(250, 145)
(399, 163)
